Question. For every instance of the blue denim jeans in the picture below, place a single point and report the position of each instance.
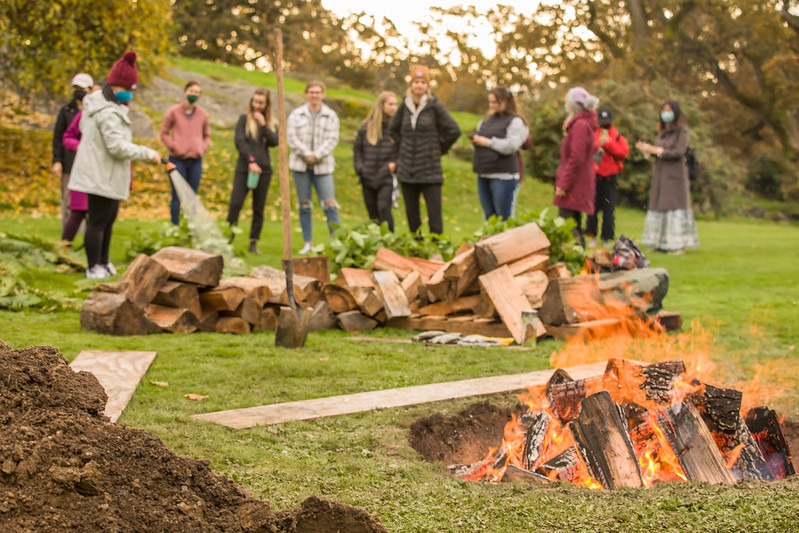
(323, 183)
(192, 172)
(496, 196)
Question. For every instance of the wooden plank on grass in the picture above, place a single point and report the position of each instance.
(383, 399)
(118, 372)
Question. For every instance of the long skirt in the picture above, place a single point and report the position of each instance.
(670, 230)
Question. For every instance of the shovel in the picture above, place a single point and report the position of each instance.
(292, 325)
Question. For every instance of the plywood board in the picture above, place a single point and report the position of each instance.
(118, 372)
(366, 401)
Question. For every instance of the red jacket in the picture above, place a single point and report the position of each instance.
(616, 150)
(576, 170)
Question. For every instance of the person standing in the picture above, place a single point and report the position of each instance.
(424, 131)
(255, 133)
(63, 158)
(575, 182)
(670, 225)
(375, 159)
(611, 151)
(102, 163)
(499, 137)
(312, 134)
(187, 136)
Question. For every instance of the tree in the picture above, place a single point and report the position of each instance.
(43, 43)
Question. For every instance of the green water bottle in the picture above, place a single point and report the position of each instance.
(252, 179)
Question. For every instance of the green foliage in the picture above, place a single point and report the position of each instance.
(765, 177)
(147, 242)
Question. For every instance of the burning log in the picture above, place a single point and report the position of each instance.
(660, 379)
(765, 429)
(514, 473)
(693, 445)
(604, 443)
(565, 466)
(534, 440)
(566, 397)
(719, 408)
(745, 459)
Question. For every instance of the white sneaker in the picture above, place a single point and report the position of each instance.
(97, 272)
(111, 270)
(306, 249)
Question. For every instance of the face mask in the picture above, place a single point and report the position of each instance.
(124, 96)
(78, 94)
(667, 116)
(192, 98)
(566, 107)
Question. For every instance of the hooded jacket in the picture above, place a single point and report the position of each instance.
(102, 162)
(616, 151)
(576, 170)
(371, 161)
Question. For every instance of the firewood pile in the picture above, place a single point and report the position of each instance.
(635, 426)
(504, 286)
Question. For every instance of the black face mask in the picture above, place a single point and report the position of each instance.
(78, 94)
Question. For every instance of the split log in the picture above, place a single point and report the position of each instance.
(671, 321)
(558, 377)
(179, 294)
(767, 432)
(720, 408)
(339, 298)
(533, 285)
(114, 314)
(602, 439)
(142, 280)
(507, 298)
(693, 445)
(208, 319)
(566, 397)
(531, 263)
(455, 278)
(248, 310)
(394, 299)
(486, 308)
(402, 266)
(564, 467)
(355, 277)
(172, 319)
(316, 267)
(571, 301)
(322, 317)
(269, 318)
(534, 440)
(411, 285)
(232, 324)
(306, 289)
(222, 299)
(465, 304)
(514, 473)
(355, 322)
(381, 316)
(511, 245)
(367, 300)
(660, 379)
(194, 266)
(744, 457)
(256, 289)
(558, 271)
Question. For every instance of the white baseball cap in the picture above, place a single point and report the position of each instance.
(82, 80)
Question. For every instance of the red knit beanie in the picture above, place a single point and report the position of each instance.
(124, 72)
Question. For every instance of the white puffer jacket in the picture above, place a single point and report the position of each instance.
(102, 162)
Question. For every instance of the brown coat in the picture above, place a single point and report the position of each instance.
(671, 189)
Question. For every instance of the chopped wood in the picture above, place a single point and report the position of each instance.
(355, 322)
(533, 284)
(514, 473)
(411, 285)
(172, 319)
(355, 277)
(670, 320)
(232, 324)
(180, 294)
(693, 445)
(594, 329)
(530, 263)
(565, 466)
(367, 299)
(571, 301)
(114, 314)
(558, 377)
(381, 317)
(305, 288)
(142, 280)
(744, 457)
(456, 277)
(765, 428)
(222, 299)
(511, 245)
(316, 267)
(394, 299)
(480, 326)
(248, 309)
(256, 289)
(269, 318)
(719, 408)
(195, 266)
(507, 298)
(558, 271)
(566, 397)
(208, 319)
(602, 439)
(603, 258)
(486, 308)
(402, 266)
(534, 439)
(339, 298)
(321, 317)
(660, 379)
(465, 303)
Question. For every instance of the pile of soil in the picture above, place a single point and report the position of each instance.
(64, 466)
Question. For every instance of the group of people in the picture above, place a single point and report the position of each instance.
(398, 148)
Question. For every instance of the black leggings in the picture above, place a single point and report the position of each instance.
(432, 197)
(238, 196)
(102, 214)
(72, 225)
(578, 217)
(378, 204)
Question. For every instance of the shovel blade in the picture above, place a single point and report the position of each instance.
(292, 328)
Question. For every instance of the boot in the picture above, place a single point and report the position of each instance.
(254, 247)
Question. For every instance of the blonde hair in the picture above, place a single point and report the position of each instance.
(252, 124)
(374, 120)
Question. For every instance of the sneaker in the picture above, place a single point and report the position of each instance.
(254, 248)
(306, 249)
(96, 272)
(111, 270)
(592, 243)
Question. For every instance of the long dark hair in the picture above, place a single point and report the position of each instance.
(108, 92)
(678, 117)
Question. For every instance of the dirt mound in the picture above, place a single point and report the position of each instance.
(64, 466)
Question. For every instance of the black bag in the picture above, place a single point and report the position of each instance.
(692, 163)
(626, 255)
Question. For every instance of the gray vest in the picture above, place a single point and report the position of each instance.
(488, 161)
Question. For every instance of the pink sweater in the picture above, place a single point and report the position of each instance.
(191, 135)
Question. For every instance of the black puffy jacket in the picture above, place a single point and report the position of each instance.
(421, 148)
(371, 161)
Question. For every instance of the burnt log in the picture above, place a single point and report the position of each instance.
(720, 408)
(660, 379)
(744, 457)
(565, 466)
(568, 396)
(765, 428)
(514, 473)
(534, 440)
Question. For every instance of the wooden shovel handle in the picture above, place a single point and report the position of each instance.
(283, 151)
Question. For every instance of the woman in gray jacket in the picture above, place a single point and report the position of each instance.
(670, 225)
(102, 162)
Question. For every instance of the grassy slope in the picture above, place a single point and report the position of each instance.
(743, 279)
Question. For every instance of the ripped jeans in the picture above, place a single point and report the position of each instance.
(327, 198)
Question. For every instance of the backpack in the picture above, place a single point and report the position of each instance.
(692, 163)
(626, 255)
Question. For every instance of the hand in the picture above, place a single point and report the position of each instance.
(604, 137)
(392, 167)
(259, 118)
(646, 148)
(254, 167)
(560, 193)
(157, 159)
(479, 140)
(310, 159)
(57, 169)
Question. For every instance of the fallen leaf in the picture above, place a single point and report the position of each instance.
(160, 383)
(196, 397)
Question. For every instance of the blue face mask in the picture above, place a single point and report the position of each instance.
(124, 96)
(667, 116)
(566, 107)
